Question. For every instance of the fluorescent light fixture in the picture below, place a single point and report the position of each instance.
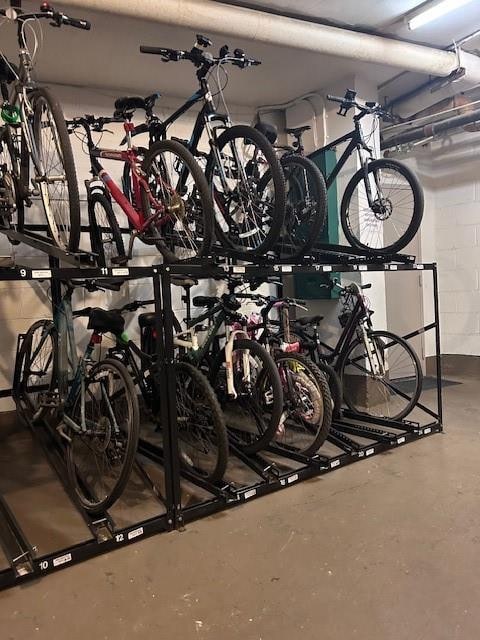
(438, 10)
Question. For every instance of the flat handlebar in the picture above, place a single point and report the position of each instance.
(46, 11)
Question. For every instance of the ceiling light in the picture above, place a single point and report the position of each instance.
(438, 10)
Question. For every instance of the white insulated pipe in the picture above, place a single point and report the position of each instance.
(213, 17)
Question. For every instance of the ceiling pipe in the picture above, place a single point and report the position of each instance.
(212, 17)
(430, 130)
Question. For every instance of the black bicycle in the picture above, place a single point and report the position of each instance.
(35, 131)
(248, 219)
(201, 430)
(306, 194)
(380, 373)
(382, 206)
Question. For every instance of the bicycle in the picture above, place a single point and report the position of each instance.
(170, 206)
(307, 401)
(93, 404)
(201, 430)
(35, 131)
(242, 372)
(382, 206)
(246, 220)
(306, 194)
(380, 373)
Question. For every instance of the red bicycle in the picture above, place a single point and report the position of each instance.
(170, 205)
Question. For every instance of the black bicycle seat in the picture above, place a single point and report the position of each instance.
(146, 319)
(128, 104)
(268, 130)
(306, 320)
(297, 131)
(104, 321)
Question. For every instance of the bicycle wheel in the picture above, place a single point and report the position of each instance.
(105, 235)
(307, 404)
(35, 369)
(12, 206)
(176, 182)
(396, 212)
(58, 184)
(100, 458)
(254, 415)
(392, 393)
(248, 219)
(202, 434)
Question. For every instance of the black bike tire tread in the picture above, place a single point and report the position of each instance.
(6, 137)
(95, 236)
(129, 461)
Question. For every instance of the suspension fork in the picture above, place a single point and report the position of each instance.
(229, 361)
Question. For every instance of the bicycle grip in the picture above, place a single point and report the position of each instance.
(158, 51)
(78, 24)
(335, 98)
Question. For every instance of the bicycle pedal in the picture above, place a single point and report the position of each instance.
(49, 399)
(122, 260)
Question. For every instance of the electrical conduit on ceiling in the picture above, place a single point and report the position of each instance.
(208, 16)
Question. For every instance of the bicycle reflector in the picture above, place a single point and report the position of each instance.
(10, 114)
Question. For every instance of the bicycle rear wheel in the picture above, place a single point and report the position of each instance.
(101, 456)
(35, 370)
(175, 180)
(202, 434)
(307, 403)
(392, 394)
(58, 184)
(248, 217)
(254, 415)
(12, 206)
(396, 212)
(105, 235)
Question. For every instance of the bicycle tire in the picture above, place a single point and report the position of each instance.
(216, 419)
(100, 505)
(392, 338)
(245, 132)
(6, 143)
(70, 239)
(255, 442)
(417, 211)
(323, 426)
(108, 226)
(201, 193)
(25, 401)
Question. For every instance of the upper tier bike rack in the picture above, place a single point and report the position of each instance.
(353, 437)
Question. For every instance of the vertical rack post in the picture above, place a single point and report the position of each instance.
(438, 353)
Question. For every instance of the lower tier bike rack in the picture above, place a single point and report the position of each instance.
(179, 496)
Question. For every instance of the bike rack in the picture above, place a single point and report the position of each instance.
(353, 437)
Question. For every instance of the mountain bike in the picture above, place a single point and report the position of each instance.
(92, 404)
(380, 373)
(241, 371)
(382, 206)
(201, 430)
(247, 219)
(170, 204)
(35, 131)
(306, 197)
(307, 401)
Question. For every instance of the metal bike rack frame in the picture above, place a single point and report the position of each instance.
(376, 435)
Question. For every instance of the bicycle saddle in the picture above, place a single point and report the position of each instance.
(6, 73)
(106, 321)
(297, 131)
(128, 104)
(306, 320)
(268, 130)
(205, 301)
(146, 319)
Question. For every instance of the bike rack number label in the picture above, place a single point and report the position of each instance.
(62, 560)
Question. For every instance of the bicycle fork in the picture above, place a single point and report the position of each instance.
(229, 362)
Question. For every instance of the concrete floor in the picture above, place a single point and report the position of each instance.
(385, 549)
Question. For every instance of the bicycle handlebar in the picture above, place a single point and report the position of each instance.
(47, 11)
(93, 122)
(199, 57)
(348, 101)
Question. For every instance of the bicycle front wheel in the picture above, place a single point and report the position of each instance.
(101, 454)
(391, 219)
(202, 434)
(178, 186)
(57, 180)
(389, 388)
(105, 235)
(248, 217)
(254, 413)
